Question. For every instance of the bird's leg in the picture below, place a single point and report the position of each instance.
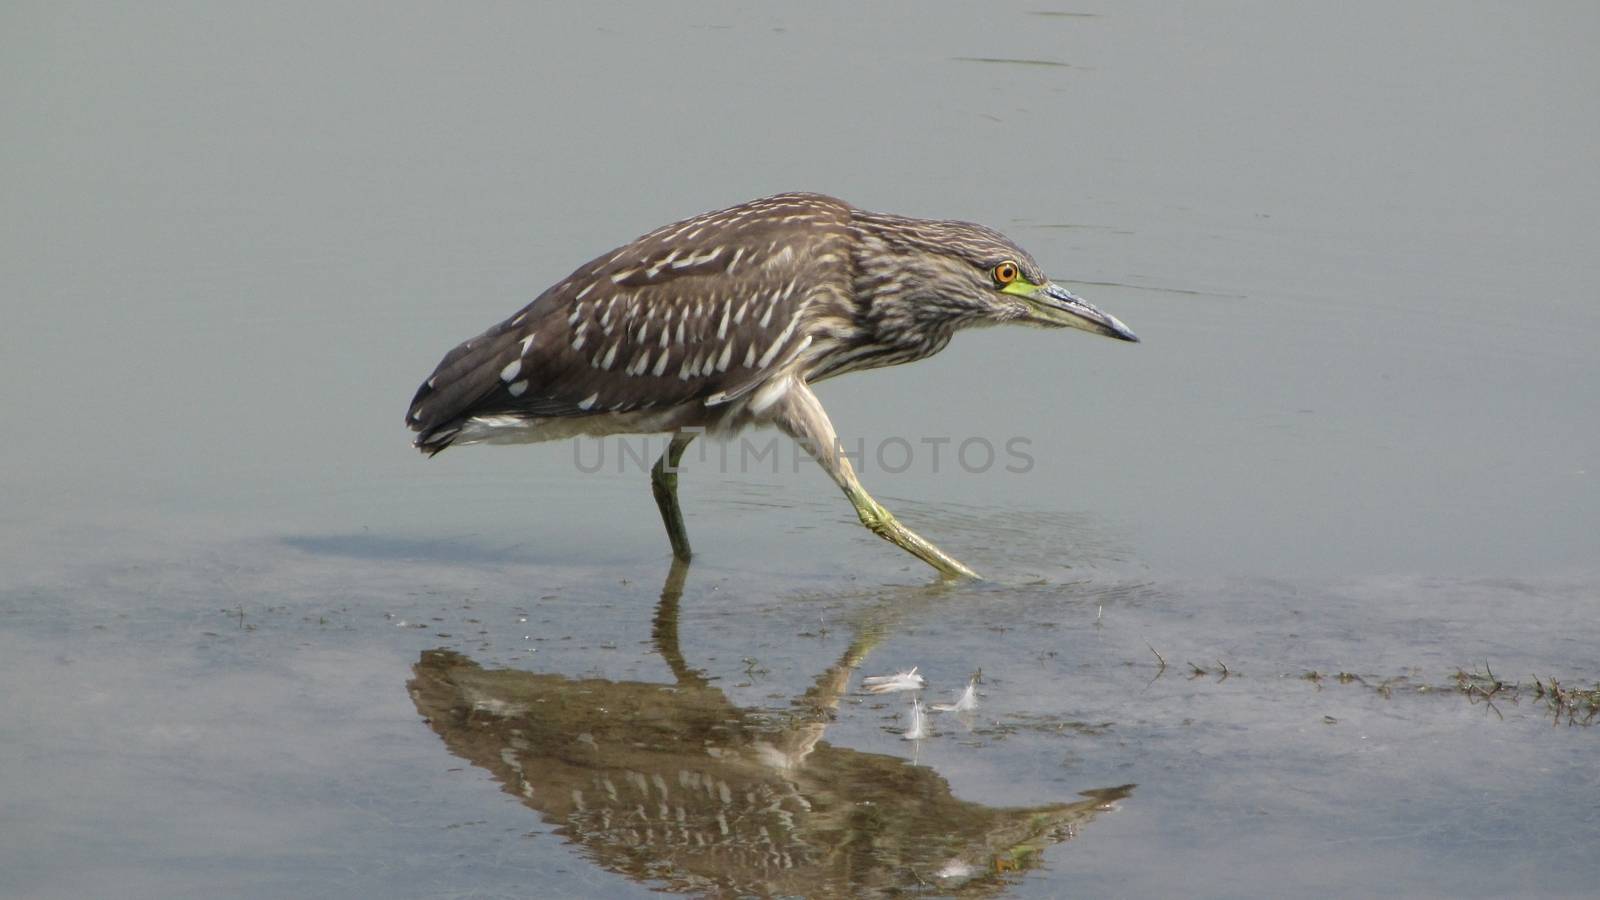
(883, 523)
(664, 483)
(802, 418)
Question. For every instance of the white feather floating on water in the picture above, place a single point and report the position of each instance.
(919, 722)
(967, 703)
(888, 684)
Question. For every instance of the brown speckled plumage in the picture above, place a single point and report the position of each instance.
(723, 319)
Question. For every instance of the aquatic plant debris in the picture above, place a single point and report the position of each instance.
(1576, 706)
(888, 684)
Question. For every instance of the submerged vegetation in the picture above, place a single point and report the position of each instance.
(1565, 704)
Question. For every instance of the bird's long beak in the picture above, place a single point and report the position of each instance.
(1054, 306)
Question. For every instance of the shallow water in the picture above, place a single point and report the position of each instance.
(254, 645)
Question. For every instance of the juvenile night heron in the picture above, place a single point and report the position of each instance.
(726, 320)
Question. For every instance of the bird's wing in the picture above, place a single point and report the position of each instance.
(699, 311)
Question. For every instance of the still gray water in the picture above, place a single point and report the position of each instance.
(1274, 606)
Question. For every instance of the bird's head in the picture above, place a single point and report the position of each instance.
(958, 274)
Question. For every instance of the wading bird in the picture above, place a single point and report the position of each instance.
(725, 320)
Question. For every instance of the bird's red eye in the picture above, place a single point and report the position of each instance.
(1005, 273)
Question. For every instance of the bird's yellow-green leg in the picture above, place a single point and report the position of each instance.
(885, 525)
(802, 418)
(664, 483)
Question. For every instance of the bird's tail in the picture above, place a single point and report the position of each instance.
(457, 388)
(432, 435)
(431, 442)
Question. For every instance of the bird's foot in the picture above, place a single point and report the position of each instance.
(885, 525)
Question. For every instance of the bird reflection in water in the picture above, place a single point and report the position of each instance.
(673, 785)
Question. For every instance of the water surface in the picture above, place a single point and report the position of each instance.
(255, 645)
